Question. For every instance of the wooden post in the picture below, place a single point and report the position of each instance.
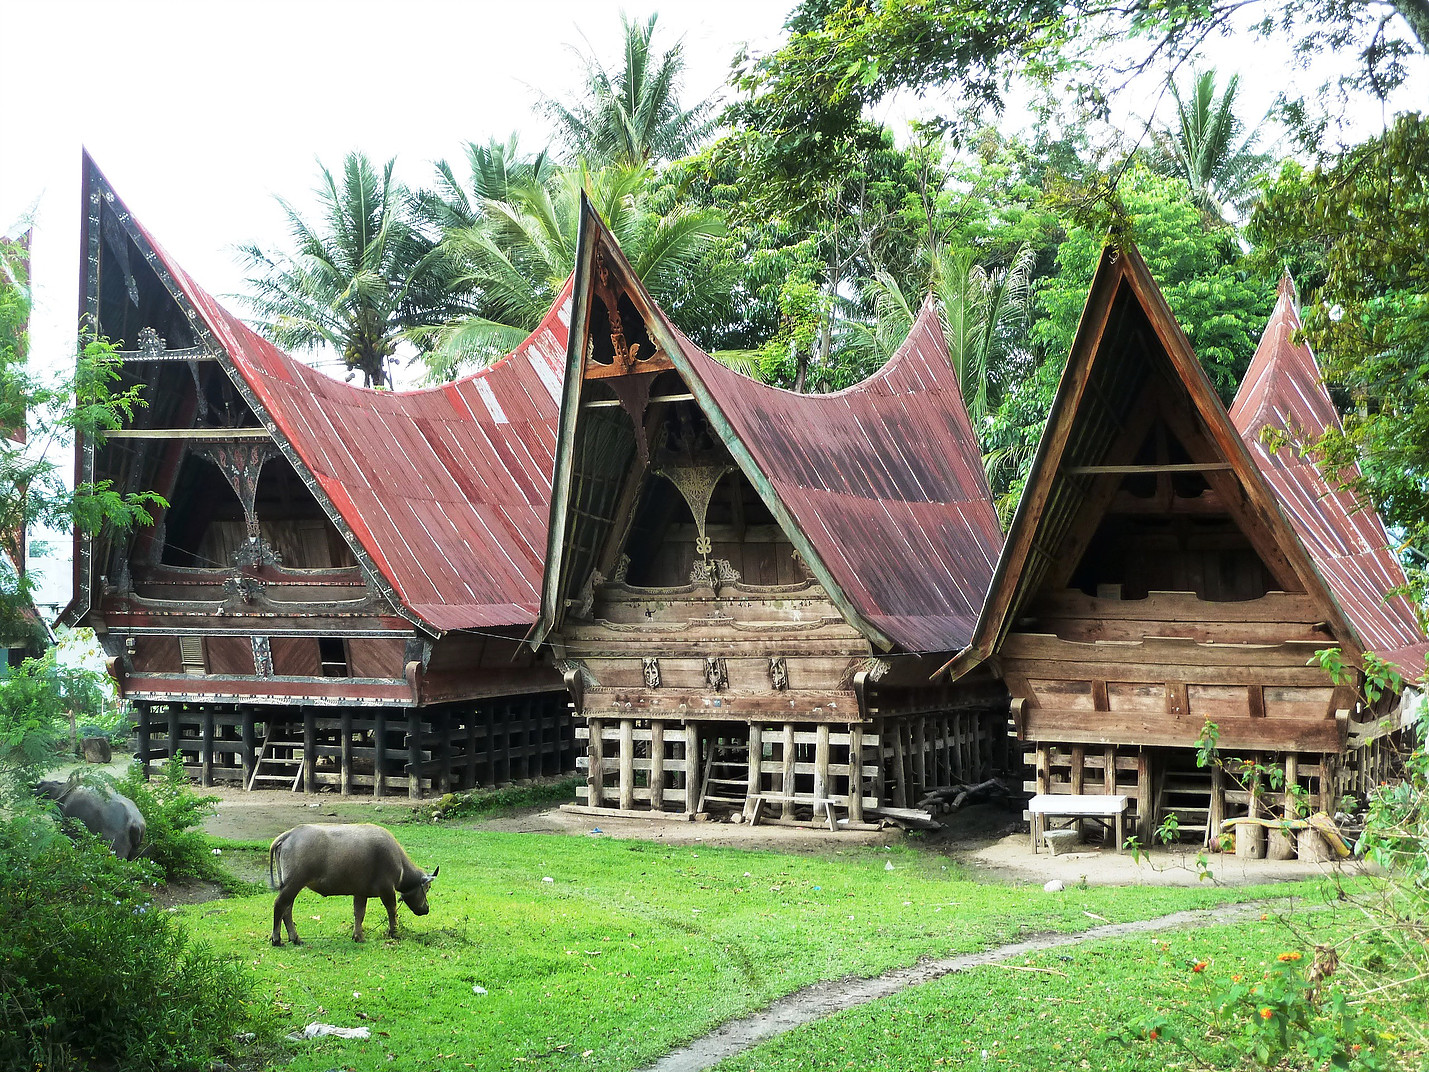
(657, 765)
(1044, 769)
(414, 755)
(310, 751)
(442, 724)
(595, 767)
(855, 773)
(756, 760)
(346, 759)
(379, 755)
(206, 755)
(1145, 821)
(788, 782)
(508, 774)
(250, 744)
(1218, 808)
(470, 781)
(145, 735)
(489, 711)
(174, 749)
(1292, 780)
(821, 762)
(880, 726)
(919, 730)
(1329, 782)
(900, 765)
(692, 767)
(1109, 772)
(627, 764)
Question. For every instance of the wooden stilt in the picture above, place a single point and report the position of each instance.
(1145, 821)
(919, 730)
(900, 764)
(692, 768)
(788, 781)
(756, 760)
(142, 716)
(470, 717)
(414, 755)
(174, 749)
(489, 717)
(821, 762)
(345, 728)
(310, 751)
(206, 748)
(379, 755)
(595, 769)
(855, 773)
(657, 765)
(627, 764)
(250, 743)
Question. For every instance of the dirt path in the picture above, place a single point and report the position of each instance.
(824, 999)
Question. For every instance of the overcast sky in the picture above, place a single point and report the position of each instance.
(199, 112)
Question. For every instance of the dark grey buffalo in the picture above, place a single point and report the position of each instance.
(111, 815)
(335, 860)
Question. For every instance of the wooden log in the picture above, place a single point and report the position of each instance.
(918, 731)
(595, 767)
(469, 782)
(627, 764)
(414, 755)
(756, 760)
(1217, 815)
(1044, 769)
(855, 773)
(379, 757)
(1145, 820)
(249, 748)
(787, 780)
(310, 751)
(692, 768)
(657, 765)
(346, 759)
(1290, 804)
(821, 763)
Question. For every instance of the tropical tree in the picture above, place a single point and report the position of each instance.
(1209, 148)
(983, 314)
(514, 259)
(495, 170)
(632, 116)
(358, 279)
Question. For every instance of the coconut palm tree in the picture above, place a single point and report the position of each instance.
(495, 169)
(632, 116)
(517, 254)
(980, 312)
(359, 278)
(1209, 148)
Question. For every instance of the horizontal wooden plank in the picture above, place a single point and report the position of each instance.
(212, 434)
(1132, 728)
(1044, 646)
(1180, 607)
(1190, 673)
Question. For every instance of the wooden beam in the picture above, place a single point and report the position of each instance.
(189, 433)
(1171, 467)
(605, 403)
(1152, 730)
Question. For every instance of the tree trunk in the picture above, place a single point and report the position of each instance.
(801, 366)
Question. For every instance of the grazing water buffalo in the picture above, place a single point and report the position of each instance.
(359, 861)
(111, 815)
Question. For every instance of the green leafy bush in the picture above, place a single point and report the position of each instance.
(93, 974)
(476, 803)
(174, 813)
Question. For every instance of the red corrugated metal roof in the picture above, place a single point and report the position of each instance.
(446, 489)
(1345, 538)
(884, 478)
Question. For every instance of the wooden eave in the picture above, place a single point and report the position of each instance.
(1121, 266)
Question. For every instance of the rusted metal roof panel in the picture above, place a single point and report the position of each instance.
(446, 489)
(885, 479)
(1345, 537)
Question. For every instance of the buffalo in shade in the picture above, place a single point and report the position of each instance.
(358, 861)
(110, 814)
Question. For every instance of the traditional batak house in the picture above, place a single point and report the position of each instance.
(338, 591)
(747, 587)
(1167, 569)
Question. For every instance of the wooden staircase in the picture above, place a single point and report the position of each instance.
(281, 759)
(726, 776)
(1185, 792)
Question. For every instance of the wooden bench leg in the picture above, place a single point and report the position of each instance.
(754, 814)
(1120, 818)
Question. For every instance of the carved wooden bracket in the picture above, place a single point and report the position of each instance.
(241, 463)
(626, 357)
(696, 481)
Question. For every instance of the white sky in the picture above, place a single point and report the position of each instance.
(199, 112)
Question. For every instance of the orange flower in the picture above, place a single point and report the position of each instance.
(1154, 1035)
(1266, 1014)
(1235, 978)
(1200, 965)
(1288, 956)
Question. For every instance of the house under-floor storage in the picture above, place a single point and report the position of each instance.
(1170, 569)
(337, 592)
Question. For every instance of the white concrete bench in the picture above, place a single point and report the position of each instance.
(1069, 806)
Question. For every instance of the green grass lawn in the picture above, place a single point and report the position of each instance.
(632, 948)
(1082, 1007)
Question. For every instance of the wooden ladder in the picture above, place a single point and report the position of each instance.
(286, 769)
(1186, 793)
(726, 779)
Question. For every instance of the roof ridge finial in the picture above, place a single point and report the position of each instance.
(1287, 289)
